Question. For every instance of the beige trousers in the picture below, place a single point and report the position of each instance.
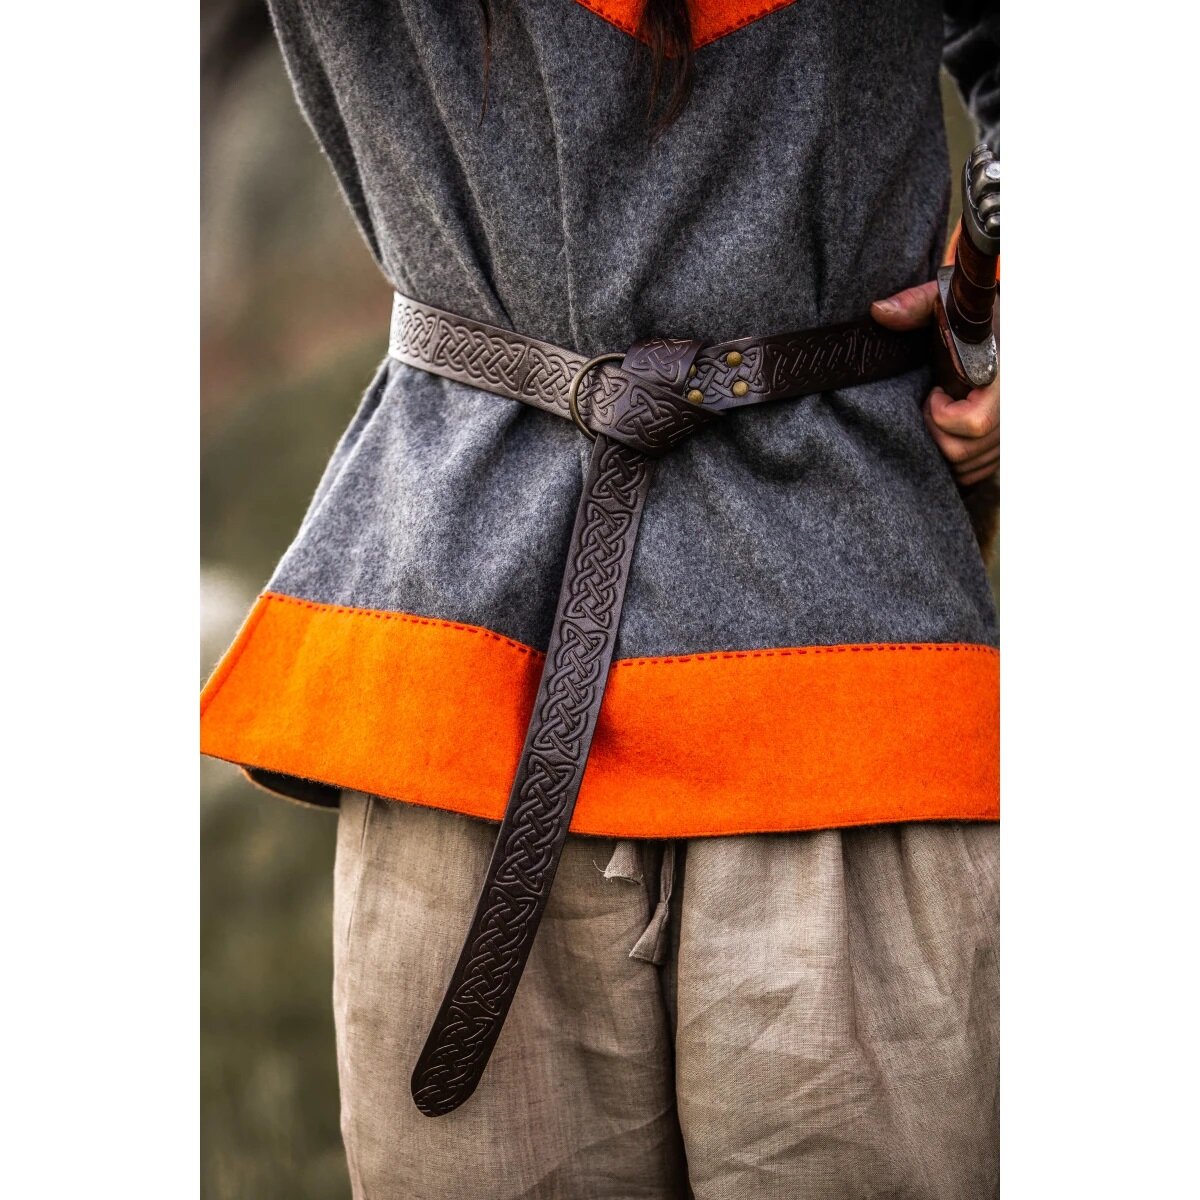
(810, 1015)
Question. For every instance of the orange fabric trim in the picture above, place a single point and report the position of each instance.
(711, 19)
(434, 713)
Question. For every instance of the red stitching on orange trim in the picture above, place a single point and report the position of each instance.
(742, 22)
(957, 647)
(407, 618)
(663, 661)
(598, 10)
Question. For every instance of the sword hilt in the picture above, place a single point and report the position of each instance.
(966, 349)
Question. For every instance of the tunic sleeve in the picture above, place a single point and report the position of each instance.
(971, 53)
(318, 101)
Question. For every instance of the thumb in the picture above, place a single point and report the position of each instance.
(909, 309)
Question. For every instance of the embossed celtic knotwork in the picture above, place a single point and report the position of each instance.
(599, 394)
(547, 783)
(663, 360)
(798, 363)
(774, 368)
(655, 420)
(480, 355)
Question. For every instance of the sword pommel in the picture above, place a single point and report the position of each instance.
(981, 200)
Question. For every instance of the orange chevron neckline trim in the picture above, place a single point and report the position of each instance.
(434, 712)
(711, 19)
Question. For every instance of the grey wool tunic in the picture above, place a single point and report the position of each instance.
(807, 176)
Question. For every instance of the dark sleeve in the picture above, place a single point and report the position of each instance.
(971, 53)
(306, 69)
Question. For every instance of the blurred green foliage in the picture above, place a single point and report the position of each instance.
(294, 323)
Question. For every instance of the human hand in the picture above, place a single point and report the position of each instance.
(966, 431)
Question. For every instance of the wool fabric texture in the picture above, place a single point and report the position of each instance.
(807, 176)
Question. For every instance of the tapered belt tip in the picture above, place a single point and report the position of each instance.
(431, 1104)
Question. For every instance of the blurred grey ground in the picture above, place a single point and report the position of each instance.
(294, 322)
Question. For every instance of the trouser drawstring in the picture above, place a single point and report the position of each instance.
(626, 863)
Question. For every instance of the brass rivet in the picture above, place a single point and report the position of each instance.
(692, 371)
(733, 359)
(696, 396)
(741, 388)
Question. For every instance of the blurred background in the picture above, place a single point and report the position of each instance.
(294, 321)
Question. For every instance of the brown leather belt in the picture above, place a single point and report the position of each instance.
(663, 390)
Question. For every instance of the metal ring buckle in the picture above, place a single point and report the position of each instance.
(573, 390)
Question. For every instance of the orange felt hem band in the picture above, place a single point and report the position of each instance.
(434, 713)
(711, 19)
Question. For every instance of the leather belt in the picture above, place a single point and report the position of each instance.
(663, 390)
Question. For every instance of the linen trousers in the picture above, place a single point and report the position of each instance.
(771, 1016)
